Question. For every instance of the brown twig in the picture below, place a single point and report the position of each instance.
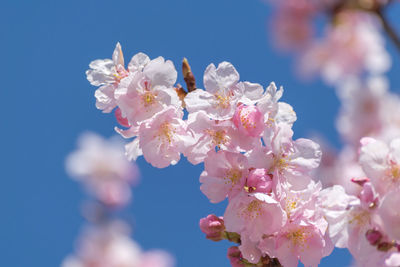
(188, 76)
(389, 29)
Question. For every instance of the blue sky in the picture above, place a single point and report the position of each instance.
(46, 102)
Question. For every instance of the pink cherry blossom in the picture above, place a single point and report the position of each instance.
(275, 112)
(223, 92)
(248, 213)
(381, 164)
(147, 91)
(298, 241)
(292, 161)
(259, 180)
(208, 134)
(107, 73)
(164, 138)
(224, 175)
(249, 120)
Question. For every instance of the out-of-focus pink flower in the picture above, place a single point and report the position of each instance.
(103, 168)
(109, 245)
(368, 109)
(292, 24)
(340, 169)
(213, 227)
(156, 258)
(351, 46)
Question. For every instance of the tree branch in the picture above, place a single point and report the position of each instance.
(389, 29)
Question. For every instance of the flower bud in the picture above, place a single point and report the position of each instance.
(249, 120)
(213, 227)
(360, 181)
(259, 181)
(121, 120)
(373, 236)
(235, 256)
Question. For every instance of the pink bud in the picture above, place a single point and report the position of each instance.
(259, 181)
(249, 120)
(121, 120)
(373, 236)
(235, 256)
(360, 181)
(213, 227)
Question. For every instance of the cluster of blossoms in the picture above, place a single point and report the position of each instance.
(368, 108)
(277, 213)
(107, 175)
(351, 45)
(361, 205)
(243, 134)
(368, 224)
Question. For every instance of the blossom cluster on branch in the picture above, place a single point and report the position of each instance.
(287, 202)
(243, 134)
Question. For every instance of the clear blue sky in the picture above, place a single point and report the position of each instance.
(46, 102)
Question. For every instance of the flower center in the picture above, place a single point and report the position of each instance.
(298, 237)
(281, 163)
(120, 73)
(218, 137)
(166, 132)
(252, 211)
(291, 204)
(148, 99)
(232, 176)
(394, 172)
(222, 100)
(245, 120)
(360, 218)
